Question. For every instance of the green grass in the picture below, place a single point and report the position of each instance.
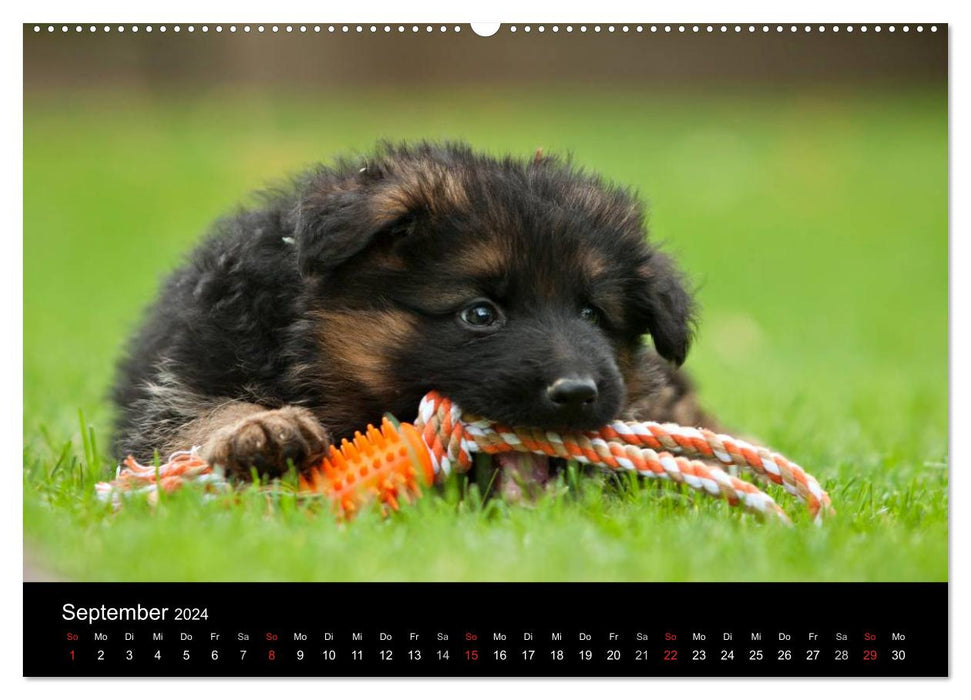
(814, 224)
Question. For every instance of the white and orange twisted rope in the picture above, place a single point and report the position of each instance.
(182, 466)
(654, 450)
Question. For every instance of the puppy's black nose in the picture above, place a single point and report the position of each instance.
(572, 392)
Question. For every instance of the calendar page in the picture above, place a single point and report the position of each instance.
(545, 349)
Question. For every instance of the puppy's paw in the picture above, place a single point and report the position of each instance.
(268, 441)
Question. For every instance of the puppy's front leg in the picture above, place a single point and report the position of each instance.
(242, 436)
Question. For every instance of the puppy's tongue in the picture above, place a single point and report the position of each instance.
(522, 474)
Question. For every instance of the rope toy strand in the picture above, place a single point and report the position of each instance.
(629, 446)
(394, 462)
(185, 465)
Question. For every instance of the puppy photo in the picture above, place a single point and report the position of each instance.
(245, 243)
(522, 287)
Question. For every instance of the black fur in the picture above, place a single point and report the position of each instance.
(344, 296)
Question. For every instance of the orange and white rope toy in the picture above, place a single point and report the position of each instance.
(137, 478)
(385, 464)
(654, 450)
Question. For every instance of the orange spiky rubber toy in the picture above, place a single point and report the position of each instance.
(380, 465)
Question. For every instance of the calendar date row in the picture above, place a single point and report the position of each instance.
(670, 655)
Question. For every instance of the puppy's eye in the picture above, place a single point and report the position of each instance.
(481, 314)
(588, 313)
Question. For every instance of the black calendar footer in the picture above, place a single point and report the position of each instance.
(485, 629)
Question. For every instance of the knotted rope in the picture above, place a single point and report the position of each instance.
(654, 450)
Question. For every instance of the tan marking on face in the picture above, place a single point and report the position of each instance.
(482, 261)
(608, 293)
(612, 305)
(363, 343)
(416, 185)
(594, 264)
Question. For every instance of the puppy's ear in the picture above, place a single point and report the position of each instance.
(335, 222)
(665, 307)
(330, 227)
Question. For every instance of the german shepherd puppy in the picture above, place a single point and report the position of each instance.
(520, 288)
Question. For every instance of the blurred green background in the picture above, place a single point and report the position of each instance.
(809, 208)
